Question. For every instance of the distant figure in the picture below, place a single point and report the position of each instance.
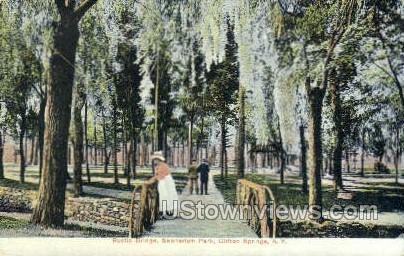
(193, 177)
(166, 184)
(203, 170)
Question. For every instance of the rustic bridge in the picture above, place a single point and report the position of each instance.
(248, 193)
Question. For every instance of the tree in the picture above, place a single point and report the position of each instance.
(223, 82)
(378, 143)
(386, 19)
(49, 210)
(128, 92)
(192, 94)
(79, 101)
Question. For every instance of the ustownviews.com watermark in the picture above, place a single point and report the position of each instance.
(190, 210)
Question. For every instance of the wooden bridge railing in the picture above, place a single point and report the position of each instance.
(252, 194)
(147, 212)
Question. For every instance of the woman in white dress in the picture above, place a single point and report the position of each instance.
(168, 197)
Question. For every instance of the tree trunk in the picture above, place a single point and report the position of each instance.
(79, 98)
(226, 169)
(41, 132)
(315, 97)
(1, 155)
(141, 150)
(95, 144)
(190, 141)
(337, 116)
(33, 143)
(241, 134)
(134, 144)
(126, 158)
(303, 161)
(36, 152)
(283, 166)
(347, 162)
(86, 139)
(115, 146)
(165, 146)
(23, 128)
(123, 158)
(397, 154)
(222, 145)
(183, 153)
(282, 155)
(106, 155)
(49, 209)
(363, 153)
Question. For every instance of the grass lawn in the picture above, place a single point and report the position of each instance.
(386, 199)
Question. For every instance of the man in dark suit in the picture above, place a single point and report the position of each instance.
(203, 170)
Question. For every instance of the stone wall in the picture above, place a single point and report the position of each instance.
(107, 211)
(15, 200)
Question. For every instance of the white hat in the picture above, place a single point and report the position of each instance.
(158, 155)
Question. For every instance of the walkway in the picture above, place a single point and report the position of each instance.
(202, 227)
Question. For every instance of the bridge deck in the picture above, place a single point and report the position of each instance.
(202, 227)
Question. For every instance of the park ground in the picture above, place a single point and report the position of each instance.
(373, 189)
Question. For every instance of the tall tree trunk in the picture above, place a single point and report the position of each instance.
(31, 157)
(95, 143)
(330, 163)
(241, 134)
(282, 155)
(397, 153)
(1, 154)
(134, 144)
(226, 169)
(26, 145)
(347, 162)
(41, 132)
(143, 150)
(315, 97)
(115, 146)
(36, 152)
(123, 158)
(337, 116)
(106, 155)
(190, 141)
(363, 153)
(86, 139)
(183, 154)
(222, 145)
(303, 161)
(126, 162)
(23, 128)
(79, 98)
(283, 166)
(165, 146)
(49, 209)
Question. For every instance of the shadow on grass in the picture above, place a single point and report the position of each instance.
(331, 230)
(16, 184)
(94, 232)
(11, 223)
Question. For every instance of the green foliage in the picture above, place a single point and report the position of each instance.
(377, 142)
(223, 80)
